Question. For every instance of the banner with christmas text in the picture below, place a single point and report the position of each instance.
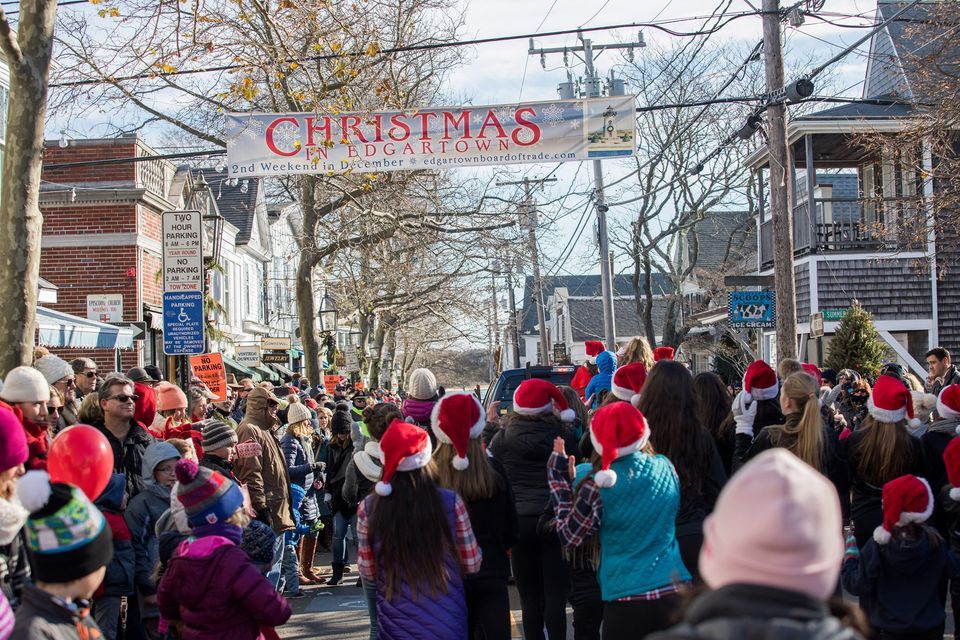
(277, 144)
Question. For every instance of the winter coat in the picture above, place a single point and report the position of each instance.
(899, 583)
(14, 568)
(439, 616)
(338, 459)
(935, 441)
(523, 448)
(865, 503)
(299, 458)
(142, 514)
(696, 505)
(213, 588)
(119, 578)
(739, 611)
(607, 364)
(580, 381)
(221, 466)
(128, 455)
(495, 525)
(43, 617)
(146, 407)
(266, 476)
(362, 473)
(38, 442)
(831, 464)
(951, 377)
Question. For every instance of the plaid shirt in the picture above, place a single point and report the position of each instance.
(463, 538)
(575, 521)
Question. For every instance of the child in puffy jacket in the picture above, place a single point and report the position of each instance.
(118, 581)
(211, 588)
(600, 384)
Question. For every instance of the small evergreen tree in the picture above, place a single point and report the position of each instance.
(856, 344)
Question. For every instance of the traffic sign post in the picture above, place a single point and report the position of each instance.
(183, 323)
(816, 325)
(182, 251)
(352, 359)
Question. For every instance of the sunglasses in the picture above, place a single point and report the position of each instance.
(52, 410)
(88, 374)
(124, 398)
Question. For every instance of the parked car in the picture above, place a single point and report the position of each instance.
(508, 381)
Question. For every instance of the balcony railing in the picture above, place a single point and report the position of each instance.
(845, 225)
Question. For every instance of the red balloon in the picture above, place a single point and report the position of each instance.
(80, 455)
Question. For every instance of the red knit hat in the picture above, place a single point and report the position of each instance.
(616, 430)
(814, 371)
(456, 418)
(628, 381)
(405, 447)
(948, 403)
(537, 396)
(593, 348)
(906, 499)
(951, 461)
(760, 382)
(663, 353)
(891, 401)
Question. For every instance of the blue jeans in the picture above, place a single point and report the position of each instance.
(340, 523)
(370, 593)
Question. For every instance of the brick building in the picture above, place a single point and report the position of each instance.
(101, 235)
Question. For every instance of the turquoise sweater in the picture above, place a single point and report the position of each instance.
(638, 546)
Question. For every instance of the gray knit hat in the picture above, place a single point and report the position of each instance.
(217, 435)
(53, 368)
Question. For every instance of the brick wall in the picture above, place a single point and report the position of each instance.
(86, 150)
(152, 287)
(78, 218)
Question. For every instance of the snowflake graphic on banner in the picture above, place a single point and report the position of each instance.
(253, 128)
(285, 135)
(477, 119)
(231, 128)
(505, 115)
(413, 162)
(553, 115)
(525, 135)
(578, 106)
(574, 124)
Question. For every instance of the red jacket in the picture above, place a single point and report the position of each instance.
(146, 408)
(580, 380)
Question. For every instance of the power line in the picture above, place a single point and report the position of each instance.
(65, 3)
(422, 47)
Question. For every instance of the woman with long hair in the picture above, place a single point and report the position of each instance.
(464, 468)
(582, 421)
(668, 404)
(416, 543)
(803, 433)
(637, 350)
(540, 414)
(629, 497)
(712, 405)
(879, 451)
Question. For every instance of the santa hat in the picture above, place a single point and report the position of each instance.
(593, 348)
(814, 371)
(456, 418)
(906, 499)
(948, 403)
(628, 381)
(405, 447)
(891, 401)
(951, 461)
(663, 353)
(616, 430)
(537, 396)
(760, 382)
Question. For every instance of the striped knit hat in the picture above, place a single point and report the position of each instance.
(207, 496)
(217, 435)
(67, 536)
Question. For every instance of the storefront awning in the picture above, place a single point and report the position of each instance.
(58, 329)
(267, 374)
(281, 369)
(241, 371)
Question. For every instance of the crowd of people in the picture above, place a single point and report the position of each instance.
(794, 503)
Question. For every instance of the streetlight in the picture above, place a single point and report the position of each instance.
(328, 326)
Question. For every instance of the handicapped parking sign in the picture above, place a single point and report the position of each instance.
(182, 323)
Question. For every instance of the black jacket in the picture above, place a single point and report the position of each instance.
(338, 459)
(14, 568)
(42, 616)
(495, 526)
(754, 612)
(128, 455)
(695, 505)
(523, 447)
(221, 466)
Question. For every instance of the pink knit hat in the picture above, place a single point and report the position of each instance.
(13, 441)
(170, 396)
(794, 540)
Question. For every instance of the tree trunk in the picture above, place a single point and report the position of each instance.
(306, 309)
(21, 223)
(648, 309)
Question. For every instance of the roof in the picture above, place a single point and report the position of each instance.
(585, 286)
(586, 318)
(860, 111)
(722, 239)
(237, 207)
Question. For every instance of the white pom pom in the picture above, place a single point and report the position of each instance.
(460, 464)
(914, 423)
(635, 400)
(568, 415)
(33, 489)
(605, 478)
(881, 535)
(747, 397)
(955, 494)
(384, 488)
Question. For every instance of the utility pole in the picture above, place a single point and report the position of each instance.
(497, 354)
(514, 324)
(593, 89)
(781, 181)
(530, 220)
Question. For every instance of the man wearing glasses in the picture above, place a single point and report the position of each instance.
(59, 375)
(127, 437)
(85, 371)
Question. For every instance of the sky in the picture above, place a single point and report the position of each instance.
(505, 73)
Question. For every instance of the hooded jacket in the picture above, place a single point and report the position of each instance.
(43, 616)
(142, 514)
(146, 407)
(363, 471)
(607, 364)
(523, 448)
(118, 580)
(266, 475)
(757, 612)
(211, 585)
